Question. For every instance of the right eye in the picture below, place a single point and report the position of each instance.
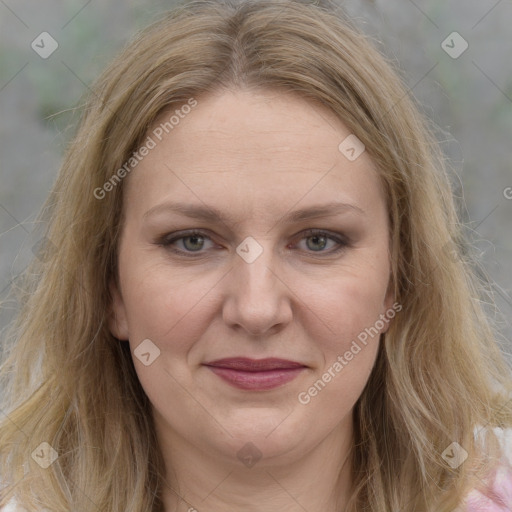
(191, 242)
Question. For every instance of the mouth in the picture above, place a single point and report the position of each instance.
(256, 374)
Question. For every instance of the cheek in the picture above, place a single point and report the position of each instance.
(345, 306)
(349, 311)
(169, 307)
(345, 325)
(165, 304)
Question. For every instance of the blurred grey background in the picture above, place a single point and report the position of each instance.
(467, 96)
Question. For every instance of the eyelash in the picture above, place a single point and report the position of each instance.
(167, 240)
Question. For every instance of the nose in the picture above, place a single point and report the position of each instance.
(259, 298)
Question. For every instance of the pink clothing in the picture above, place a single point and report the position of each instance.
(499, 496)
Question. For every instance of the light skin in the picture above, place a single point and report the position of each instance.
(257, 157)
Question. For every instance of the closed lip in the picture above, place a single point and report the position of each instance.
(245, 364)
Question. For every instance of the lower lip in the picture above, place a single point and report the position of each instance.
(257, 381)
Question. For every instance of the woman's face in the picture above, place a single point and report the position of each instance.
(296, 268)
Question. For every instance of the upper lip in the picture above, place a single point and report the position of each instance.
(254, 365)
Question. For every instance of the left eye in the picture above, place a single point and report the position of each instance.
(318, 241)
(193, 242)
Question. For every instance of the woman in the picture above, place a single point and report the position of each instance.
(247, 296)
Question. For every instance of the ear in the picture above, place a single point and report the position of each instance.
(117, 320)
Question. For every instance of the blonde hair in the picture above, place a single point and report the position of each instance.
(67, 381)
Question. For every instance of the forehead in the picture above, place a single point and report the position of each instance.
(245, 121)
(261, 150)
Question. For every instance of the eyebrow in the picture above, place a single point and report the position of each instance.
(208, 213)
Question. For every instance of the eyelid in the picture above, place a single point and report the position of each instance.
(339, 237)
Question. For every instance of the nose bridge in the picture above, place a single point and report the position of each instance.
(253, 270)
(257, 297)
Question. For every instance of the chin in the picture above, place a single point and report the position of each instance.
(272, 437)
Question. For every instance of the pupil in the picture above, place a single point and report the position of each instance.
(315, 238)
(194, 239)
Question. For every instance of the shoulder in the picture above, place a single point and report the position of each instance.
(498, 496)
